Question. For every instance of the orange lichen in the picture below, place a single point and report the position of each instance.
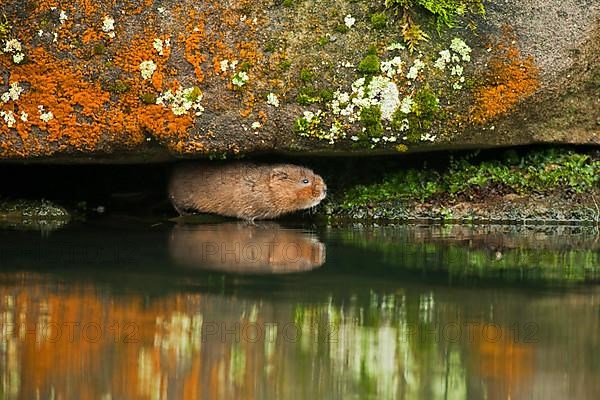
(59, 89)
(91, 81)
(510, 79)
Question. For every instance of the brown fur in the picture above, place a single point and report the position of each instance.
(244, 190)
(245, 248)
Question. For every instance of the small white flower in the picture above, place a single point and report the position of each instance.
(45, 115)
(40, 33)
(426, 137)
(161, 10)
(5, 97)
(272, 100)
(158, 46)
(62, 17)
(18, 57)
(406, 105)
(15, 91)
(444, 58)
(256, 125)
(417, 66)
(308, 115)
(9, 118)
(394, 46)
(240, 78)
(456, 70)
(108, 24)
(223, 65)
(354, 138)
(147, 68)
(12, 46)
(24, 116)
(55, 37)
(349, 20)
(460, 47)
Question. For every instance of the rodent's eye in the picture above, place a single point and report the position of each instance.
(305, 181)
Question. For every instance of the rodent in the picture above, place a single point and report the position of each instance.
(244, 190)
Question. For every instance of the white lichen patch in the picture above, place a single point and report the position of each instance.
(45, 116)
(13, 93)
(147, 68)
(256, 125)
(108, 26)
(182, 101)
(384, 93)
(62, 17)
(9, 118)
(395, 105)
(24, 116)
(406, 105)
(349, 21)
(415, 69)
(14, 47)
(272, 100)
(392, 67)
(160, 45)
(240, 78)
(460, 47)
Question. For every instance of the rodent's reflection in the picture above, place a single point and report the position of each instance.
(245, 248)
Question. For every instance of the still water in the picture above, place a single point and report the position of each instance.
(139, 310)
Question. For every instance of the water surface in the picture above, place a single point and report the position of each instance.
(142, 310)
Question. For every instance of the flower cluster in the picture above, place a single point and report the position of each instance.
(272, 100)
(458, 53)
(388, 104)
(13, 93)
(14, 47)
(159, 45)
(147, 68)
(240, 78)
(45, 116)
(108, 26)
(182, 101)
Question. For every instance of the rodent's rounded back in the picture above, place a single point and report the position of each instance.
(245, 190)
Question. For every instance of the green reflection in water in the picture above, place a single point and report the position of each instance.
(506, 253)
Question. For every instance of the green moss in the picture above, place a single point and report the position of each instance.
(98, 49)
(270, 46)
(379, 20)
(119, 87)
(445, 12)
(148, 98)
(194, 94)
(369, 65)
(323, 40)
(284, 65)
(426, 103)
(245, 66)
(326, 95)
(540, 172)
(342, 28)
(306, 76)
(307, 96)
(5, 28)
(370, 118)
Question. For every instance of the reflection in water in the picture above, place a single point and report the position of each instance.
(80, 341)
(505, 252)
(245, 248)
(361, 326)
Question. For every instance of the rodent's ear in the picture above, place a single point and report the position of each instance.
(279, 173)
